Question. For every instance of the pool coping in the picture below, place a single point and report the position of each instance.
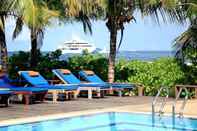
(27, 120)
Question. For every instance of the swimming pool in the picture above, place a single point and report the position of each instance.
(112, 121)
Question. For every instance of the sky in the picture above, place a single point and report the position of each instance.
(142, 35)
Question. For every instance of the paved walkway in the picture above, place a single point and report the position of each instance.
(84, 106)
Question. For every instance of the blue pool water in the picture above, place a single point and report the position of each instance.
(112, 121)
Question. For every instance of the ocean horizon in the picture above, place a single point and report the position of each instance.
(128, 55)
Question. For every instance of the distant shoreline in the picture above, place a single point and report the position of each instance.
(128, 55)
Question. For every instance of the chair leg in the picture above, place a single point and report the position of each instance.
(140, 90)
(67, 95)
(7, 103)
(89, 93)
(110, 92)
(102, 93)
(27, 99)
(43, 96)
(120, 93)
(195, 93)
(5, 100)
(54, 95)
(98, 92)
(75, 94)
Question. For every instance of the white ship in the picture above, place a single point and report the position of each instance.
(76, 45)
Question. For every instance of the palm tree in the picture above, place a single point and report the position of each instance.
(120, 12)
(6, 7)
(186, 44)
(3, 47)
(36, 16)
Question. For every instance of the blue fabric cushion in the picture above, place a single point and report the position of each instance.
(34, 80)
(41, 82)
(4, 83)
(91, 78)
(68, 78)
(94, 78)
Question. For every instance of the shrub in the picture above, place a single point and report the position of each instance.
(98, 63)
(162, 72)
(17, 62)
(47, 62)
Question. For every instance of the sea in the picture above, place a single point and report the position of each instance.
(129, 55)
(144, 55)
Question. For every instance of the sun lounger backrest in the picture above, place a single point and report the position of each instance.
(91, 78)
(34, 80)
(67, 78)
(4, 82)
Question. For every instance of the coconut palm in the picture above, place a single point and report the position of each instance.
(186, 44)
(3, 47)
(120, 12)
(36, 16)
(6, 9)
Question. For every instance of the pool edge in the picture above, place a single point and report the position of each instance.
(71, 114)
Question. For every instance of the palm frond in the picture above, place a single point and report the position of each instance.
(85, 20)
(186, 43)
(18, 28)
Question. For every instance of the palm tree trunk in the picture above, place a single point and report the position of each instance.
(3, 48)
(112, 54)
(34, 51)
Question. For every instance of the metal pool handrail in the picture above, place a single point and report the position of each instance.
(154, 102)
(183, 104)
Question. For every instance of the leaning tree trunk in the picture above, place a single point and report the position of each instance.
(3, 48)
(112, 54)
(34, 51)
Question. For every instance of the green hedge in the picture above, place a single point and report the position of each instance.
(47, 62)
(153, 75)
(97, 62)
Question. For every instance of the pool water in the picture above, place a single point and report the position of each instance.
(112, 121)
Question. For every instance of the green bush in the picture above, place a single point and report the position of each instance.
(17, 62)
(47, 62)
(162, 72)
(96, 62)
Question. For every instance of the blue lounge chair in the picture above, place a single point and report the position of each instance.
(90, 76)
(67, 77)
(38, 81)
(4, 97)
(29, 94)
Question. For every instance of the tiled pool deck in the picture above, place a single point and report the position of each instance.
(18, 113)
